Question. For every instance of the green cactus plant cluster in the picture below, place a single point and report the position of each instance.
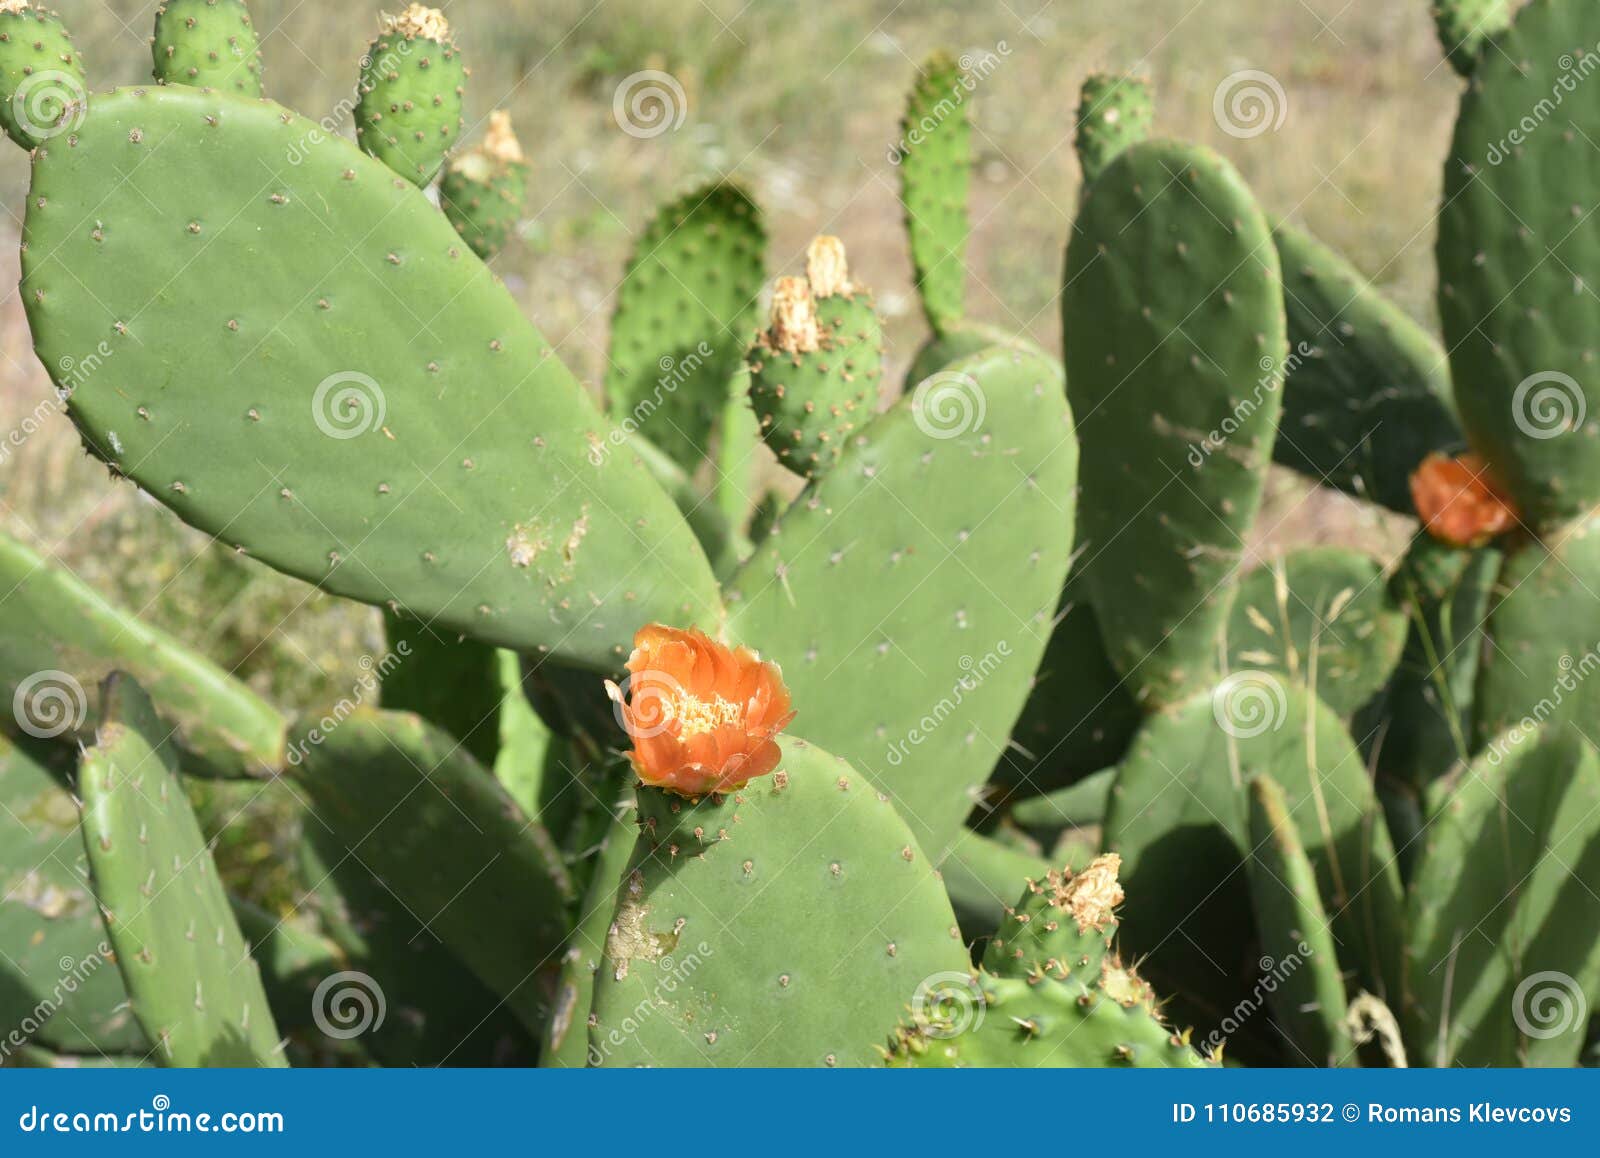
(946, 734)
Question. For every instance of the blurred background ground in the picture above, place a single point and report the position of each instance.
(801, 102)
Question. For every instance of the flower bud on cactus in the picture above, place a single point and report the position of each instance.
(814, 373)
(483, 189)
(1459, 501)
(412, 79)
(704, 717)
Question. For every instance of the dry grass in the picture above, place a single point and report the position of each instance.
(801, 102)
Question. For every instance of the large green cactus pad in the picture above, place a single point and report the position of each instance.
(193, 985)
(59, 983)
(1173, 311)
(306, 361)
(925, 565)
(1178, 814)
(1504, 948)
(1367, 395)
(778, 925)
(406, 801)
(934, 157)
(684, 317)
(59, 638)
(1322, 616)
(1514, 250)
(1114, 112)
(1308, 999)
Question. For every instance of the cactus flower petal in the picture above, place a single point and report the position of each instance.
(1459, 502)
(703, 717)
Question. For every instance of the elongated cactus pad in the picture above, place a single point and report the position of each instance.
(59, 638)
(1308, 999)
(1173, 311)
(780, 923)
(412, 78)
(59, 982)
(1367, 395)
(416, 809)
(934, 158)
(42, 89)
(189, 974)
(317, 369)
(685, 312)
(1322, 616)
(1178, 815)
(1504, 946)
(1518, 319)
(207, 44)
(924, 565)
(1114, 112)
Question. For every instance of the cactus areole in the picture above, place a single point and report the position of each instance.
(703, 717)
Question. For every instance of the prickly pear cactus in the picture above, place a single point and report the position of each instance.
(934, 157)
(1063, 926)
(42, 88)
(194, 987)
(683, 318)
(207, 44)
(412, 79)
(897, 570)
(59, 638)
(439, 456)
(814, 372)
(1467, 26)
(1503, 944)
(698, 969)
(1114, 112)
(484, 188)
(1173, 309)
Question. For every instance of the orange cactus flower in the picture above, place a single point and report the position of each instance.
(704, 717)
(1459, 501)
